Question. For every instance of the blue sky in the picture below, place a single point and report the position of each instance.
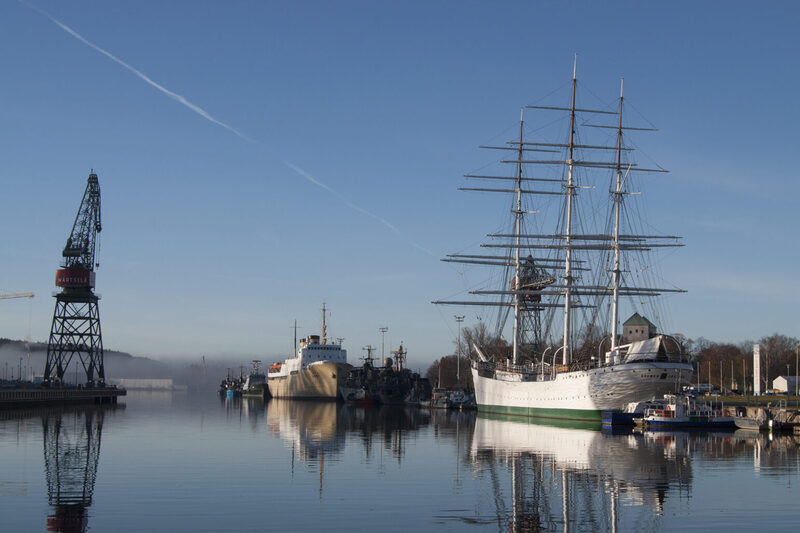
(213, 244)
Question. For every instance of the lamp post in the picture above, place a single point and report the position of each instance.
(459, 319)
(744, 379)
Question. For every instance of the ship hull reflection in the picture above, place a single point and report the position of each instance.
(573, 476)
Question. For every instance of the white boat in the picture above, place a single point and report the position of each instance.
(679, 411)
(314, 372)
(602, 370)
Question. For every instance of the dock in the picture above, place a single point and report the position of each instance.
(44, 396)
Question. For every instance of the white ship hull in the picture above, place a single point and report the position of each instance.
(578, 395)
(318, 381)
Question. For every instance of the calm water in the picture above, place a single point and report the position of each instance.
(177, 462)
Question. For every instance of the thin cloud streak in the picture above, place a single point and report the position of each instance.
(203, 113)
(175, 96)
(353, 206)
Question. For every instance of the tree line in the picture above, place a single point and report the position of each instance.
(724, 365)
(727, 365)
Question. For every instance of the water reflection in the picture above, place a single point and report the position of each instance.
(312, 428)
(527, 476)
(250, 409)
(580, 479)
(773, 454)
(315, 428)
(389, 428)
(71, 441)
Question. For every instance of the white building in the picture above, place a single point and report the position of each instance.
(145, 384)
(785, 384)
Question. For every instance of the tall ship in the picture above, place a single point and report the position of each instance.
(576, 252)
(315, 371)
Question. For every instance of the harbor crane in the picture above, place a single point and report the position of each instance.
(76, 319)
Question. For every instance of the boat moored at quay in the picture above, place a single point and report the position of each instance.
(255, 385)
(566, 271)
(314, 372)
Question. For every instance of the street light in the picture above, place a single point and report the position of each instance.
(459, 319)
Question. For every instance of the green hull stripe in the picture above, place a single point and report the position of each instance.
(584, 415)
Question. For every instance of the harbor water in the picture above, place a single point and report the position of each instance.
(163, 461)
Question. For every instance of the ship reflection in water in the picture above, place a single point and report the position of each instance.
(575, 478)
(531, 476)
(317, 431)
(578, 478)
(186, 463)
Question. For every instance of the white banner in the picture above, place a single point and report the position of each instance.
(756, 370)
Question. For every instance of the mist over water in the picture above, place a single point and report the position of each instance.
(28, 359)
(164, 461)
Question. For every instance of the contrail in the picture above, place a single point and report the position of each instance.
(175, 96)
(203, 113)
(353, 206)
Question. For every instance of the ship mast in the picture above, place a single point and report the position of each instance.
(517, 232)
(615, 242)
(568, 228)
(294, 350)
(324, 327)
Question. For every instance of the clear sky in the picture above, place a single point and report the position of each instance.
(257, 158)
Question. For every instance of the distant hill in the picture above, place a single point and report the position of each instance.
(117, 364)
(14, 356)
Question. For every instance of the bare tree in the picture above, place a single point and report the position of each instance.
(776, 352)
(449, 373)
(490, 344)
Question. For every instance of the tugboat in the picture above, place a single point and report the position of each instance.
(256, 383)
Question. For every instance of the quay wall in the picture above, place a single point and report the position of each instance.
(12, 397)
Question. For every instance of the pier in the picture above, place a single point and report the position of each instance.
(43, 396)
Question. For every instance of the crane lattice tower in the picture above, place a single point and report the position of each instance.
(76, 319)
(532, 277)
